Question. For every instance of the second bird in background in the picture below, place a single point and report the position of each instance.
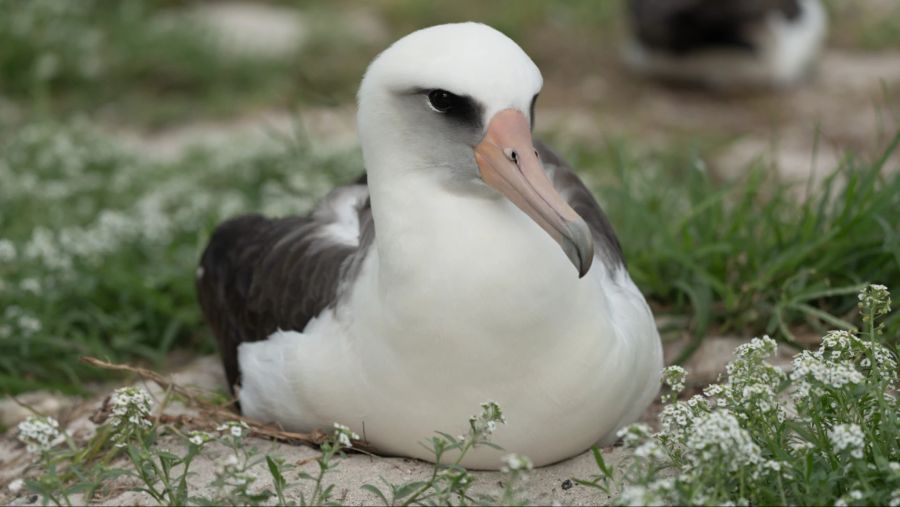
(726, 44)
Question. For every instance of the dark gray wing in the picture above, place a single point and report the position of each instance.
(258, 275)
(573, 190)
(684, 26)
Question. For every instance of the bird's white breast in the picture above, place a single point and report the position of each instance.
(481, 306)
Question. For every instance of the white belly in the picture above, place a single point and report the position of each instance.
(569, 365)
(569, 360)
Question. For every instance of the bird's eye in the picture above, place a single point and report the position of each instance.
(442, 100)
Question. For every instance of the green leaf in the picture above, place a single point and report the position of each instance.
(601, 463)
(377, 492)
(407, 489)
(275, 470)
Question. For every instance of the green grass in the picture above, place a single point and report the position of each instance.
(754, 255)
(857, 26)
(137, 61)
(106, 243)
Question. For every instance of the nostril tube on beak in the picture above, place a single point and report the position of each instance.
(511, 154)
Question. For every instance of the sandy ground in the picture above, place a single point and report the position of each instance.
(545, 485)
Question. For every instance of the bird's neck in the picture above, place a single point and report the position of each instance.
(470, 253)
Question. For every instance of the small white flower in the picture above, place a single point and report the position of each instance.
(719, 436)
(29, 324)
(236, 429)
(658, 492)
(31, 285)
(854, 495)
(516, 463)
(130, 409)
(895, 499)
(811, 366)
(344, 436)
(16, 486)
(39, 433)
(877, 298)
(650, 450)
(7, 251)
(231, 461)
(486, 422)
(633, 434)
(674, 377)
(635, 495)
(458, 476)
(848, 437)
(131, 405)
(713, 390)
(802, 445)
(199, 437)
(757, 347)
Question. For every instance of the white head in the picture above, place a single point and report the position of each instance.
(456, 102)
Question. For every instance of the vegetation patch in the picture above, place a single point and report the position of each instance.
(138, 61)
(98, 245)
(826, 432)
(755, 255)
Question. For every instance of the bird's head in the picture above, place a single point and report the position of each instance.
(458, 101)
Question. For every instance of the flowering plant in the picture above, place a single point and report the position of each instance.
(39, 433)
(828, 432)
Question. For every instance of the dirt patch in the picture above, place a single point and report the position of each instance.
(253, 28)
(851, 103)
(328, 130)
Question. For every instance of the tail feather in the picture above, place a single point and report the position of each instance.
(224, 282)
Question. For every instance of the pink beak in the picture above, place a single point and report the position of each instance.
(509, 163)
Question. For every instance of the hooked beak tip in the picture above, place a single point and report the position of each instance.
(579, 246)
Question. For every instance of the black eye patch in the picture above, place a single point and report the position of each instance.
(457, 108)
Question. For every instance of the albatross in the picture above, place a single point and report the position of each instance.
(469, 264)
(728, 44)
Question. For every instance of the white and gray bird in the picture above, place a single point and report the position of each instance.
(442, 280)
(726, 44)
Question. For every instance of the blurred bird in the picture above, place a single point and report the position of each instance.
(728, 44)
(471, 264)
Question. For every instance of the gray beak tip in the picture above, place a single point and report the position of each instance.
(580, 247)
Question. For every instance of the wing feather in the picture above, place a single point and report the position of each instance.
(574, 191)
(258, 275)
